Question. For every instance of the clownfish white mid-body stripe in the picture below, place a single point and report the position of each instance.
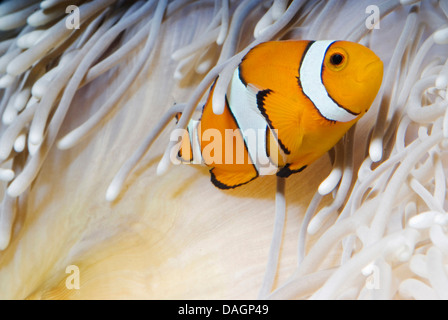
(194, 141)
(253, 126)
(313, 87)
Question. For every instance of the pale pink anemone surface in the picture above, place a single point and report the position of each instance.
(93, 208)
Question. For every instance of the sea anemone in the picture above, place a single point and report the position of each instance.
(93, 208)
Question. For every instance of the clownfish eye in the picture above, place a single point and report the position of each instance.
(336, 59)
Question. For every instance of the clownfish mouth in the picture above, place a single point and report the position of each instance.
(373, 68)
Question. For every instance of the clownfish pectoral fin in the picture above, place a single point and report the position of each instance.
(282, 114)
(224, 179)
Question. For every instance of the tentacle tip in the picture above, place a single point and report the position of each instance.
(202, 68)
(34, 20)
(178, 75)
(7, 80)
(405, 254)
(313, 227)
(441, 219)
(176, 56)
(218, 109)
(330, 183)
(15, 68)
(441, 36)
(376, 150)
(64, 143)
(4, 241)
(19, 144)
(39, 89)
(9, 116)
(258, 33)
(221, 36)
(14, 190)
(35, 138)
(325, 188)
(7, 175)
(45, 4)
(368, 269)
(112, 192)
(442, 82)
(423, 220)
(162, 167)
(311, 230)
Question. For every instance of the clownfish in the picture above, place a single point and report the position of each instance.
(288, 103)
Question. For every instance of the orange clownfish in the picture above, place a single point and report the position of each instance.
(288, 103)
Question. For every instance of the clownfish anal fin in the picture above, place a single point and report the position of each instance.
(224, 179)
(288, 170)
(281, 114)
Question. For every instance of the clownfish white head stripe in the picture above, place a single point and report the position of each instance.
(313, 87)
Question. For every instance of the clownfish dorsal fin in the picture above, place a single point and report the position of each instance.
(281, 114)
(225, 179)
